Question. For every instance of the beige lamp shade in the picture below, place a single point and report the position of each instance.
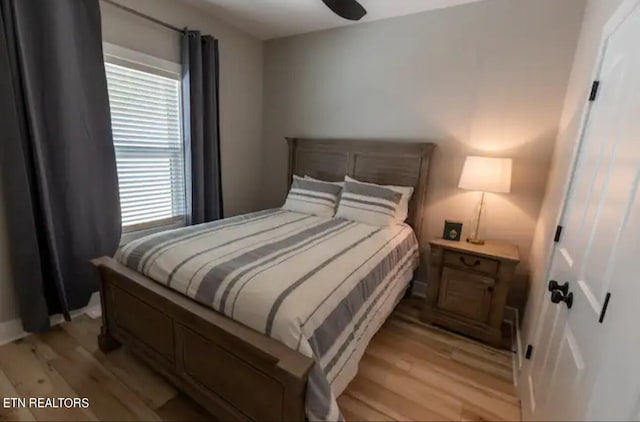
(486, 174)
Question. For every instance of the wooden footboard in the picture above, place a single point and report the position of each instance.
(233, 371)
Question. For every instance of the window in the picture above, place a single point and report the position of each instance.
(146, 119)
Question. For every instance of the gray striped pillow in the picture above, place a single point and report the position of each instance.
(369, 204)
(312, 197)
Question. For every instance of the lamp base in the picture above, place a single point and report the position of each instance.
(476, 241)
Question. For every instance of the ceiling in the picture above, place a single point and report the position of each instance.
(266, 19)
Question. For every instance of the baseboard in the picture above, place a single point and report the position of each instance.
(512, 318)
(419, 289)
(12, 330)
(519, 351)
(94, 312)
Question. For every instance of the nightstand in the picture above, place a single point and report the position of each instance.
(468, 285)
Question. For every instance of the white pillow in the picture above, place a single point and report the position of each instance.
(402, 212)
(312, 197)
(323, 181)
(368, 203)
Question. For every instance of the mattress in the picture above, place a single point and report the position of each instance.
(321, 286)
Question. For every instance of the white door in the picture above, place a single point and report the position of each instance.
(569, 343)
(616, 394)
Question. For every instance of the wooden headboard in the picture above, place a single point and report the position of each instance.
(376, 161)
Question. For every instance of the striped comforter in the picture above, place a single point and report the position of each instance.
(313, 283)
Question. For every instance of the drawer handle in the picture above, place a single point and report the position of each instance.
(474, 264)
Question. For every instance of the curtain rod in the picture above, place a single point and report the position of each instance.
(143, 16)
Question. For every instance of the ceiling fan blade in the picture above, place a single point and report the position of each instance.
(348, 9)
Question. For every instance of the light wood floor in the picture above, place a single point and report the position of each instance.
(409, 372)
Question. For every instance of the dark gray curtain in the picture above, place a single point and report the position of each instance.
(202, 130)
(57, 162)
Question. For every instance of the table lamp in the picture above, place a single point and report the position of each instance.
(485, 174)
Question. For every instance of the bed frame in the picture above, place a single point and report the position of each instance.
(234, 372)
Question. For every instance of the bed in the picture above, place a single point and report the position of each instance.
(265, 316)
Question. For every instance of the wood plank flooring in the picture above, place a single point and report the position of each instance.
(410, 371)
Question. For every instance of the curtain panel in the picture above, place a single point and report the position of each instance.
(200, 81)
(57, 161)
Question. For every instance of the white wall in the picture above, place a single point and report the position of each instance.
(488, 77)
(597, 13)
(240, 97)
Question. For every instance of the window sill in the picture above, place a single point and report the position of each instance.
(140, 230)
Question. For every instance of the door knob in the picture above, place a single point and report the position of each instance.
(557, 297)
(564, 288)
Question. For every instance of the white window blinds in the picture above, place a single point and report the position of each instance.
(147, 133)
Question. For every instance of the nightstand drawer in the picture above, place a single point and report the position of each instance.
(466, 294)
(470, 262)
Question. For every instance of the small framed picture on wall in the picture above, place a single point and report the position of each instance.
(452, 230)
